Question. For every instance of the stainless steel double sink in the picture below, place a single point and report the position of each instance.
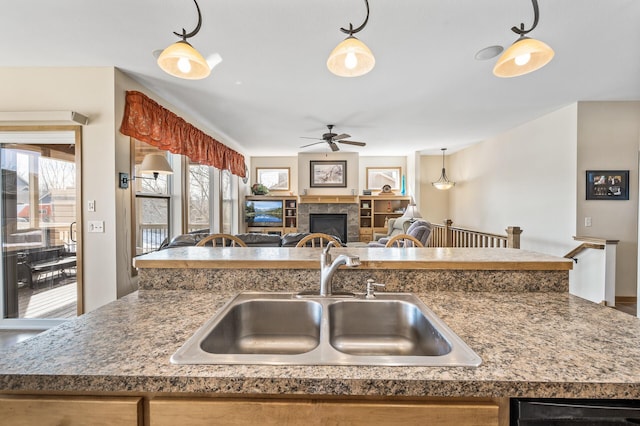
(394, 329)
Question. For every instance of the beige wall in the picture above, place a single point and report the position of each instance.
(608, 139)
(525, 177)
(434, 204)
(98, 93)
(88, 91)
(299, 169)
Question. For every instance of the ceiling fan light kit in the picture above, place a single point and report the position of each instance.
(181, 59)
(443, 183)
(525, 54)
(351, 57)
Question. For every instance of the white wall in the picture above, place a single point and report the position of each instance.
(608, 139)
(525, 177)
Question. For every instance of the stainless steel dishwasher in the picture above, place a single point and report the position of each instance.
(565, 412)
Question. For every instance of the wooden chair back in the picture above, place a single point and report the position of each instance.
(221, 240)
(317, 239)
(403, 240)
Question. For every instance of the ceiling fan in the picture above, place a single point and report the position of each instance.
(331, 138)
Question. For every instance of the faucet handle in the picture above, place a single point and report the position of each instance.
(371, 285)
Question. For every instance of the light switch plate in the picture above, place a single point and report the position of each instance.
(587, 221)
(91, 205)
(96, 226)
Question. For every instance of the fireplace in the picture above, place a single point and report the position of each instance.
(306, 209)
(329, 223)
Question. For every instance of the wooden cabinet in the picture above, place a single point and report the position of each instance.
(375, 211)
(70, 410)
(196, 412)
(270, 214)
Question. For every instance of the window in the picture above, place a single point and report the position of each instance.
(152, 205)
(198, 190)
(229, 195)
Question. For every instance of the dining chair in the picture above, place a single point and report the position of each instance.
(224, 240)
(317, 239)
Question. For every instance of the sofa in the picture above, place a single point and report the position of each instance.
(250, 239)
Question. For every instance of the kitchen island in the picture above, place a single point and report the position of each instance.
(534, 340)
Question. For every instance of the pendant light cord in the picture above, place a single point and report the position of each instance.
(536, 15)
(351, 30)
(184, 34)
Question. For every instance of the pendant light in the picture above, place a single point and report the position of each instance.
(181, 59)
(525, 54)
(443, 183)
(351, 57)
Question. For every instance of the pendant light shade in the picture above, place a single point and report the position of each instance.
(351, 57)
(443, 183)
(525, 54)
(183, 61)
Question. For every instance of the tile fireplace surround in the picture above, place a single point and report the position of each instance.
(351, 209)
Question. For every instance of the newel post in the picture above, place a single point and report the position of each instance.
(513, 236)
(448, 233)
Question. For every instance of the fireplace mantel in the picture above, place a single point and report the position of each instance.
(326, 199)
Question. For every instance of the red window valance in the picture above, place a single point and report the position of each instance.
(147, 121)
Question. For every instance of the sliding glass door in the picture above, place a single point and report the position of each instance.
(38, 209)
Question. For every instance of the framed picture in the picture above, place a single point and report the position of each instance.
(274, 178)
(607, 184)
(328, 174)
(377, 177)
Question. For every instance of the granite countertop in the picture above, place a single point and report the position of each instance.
(371, 258)
(531, 344)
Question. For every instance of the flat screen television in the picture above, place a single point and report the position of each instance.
(263, 213)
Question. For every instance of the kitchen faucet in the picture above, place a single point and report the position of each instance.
(328, 268)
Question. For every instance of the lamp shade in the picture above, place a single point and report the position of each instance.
(411, 212)
(183, 61)
(351, 58)
(443, 184)
(522, 57)
(156, 164)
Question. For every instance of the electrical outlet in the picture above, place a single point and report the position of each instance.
(96, 226)
(91, 205)
(587, 221)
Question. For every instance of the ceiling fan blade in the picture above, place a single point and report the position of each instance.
(317, 139)
(315, 143)
(341, 136)
(333, 146)
(353, 143)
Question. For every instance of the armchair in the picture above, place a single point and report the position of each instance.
(418, 232)
(395, 227)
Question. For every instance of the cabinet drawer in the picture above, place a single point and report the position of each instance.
(196, 412)
(70, 411)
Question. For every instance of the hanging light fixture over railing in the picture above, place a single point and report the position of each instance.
(443, 183)
(525, 54)
(351, 57)
(181, 59)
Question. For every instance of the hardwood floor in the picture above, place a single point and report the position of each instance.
(630, 308)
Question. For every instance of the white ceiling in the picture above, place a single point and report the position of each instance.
(426, 91)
